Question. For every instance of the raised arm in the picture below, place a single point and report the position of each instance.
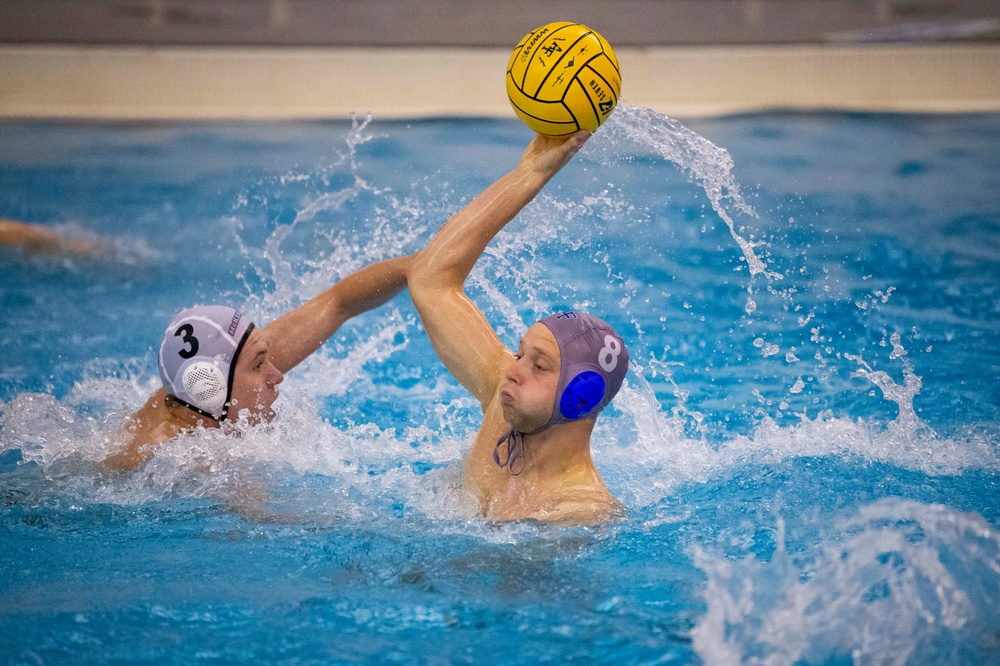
(297, 334)
(461, 335)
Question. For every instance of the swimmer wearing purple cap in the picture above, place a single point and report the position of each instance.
(217, 366)
(531, 458)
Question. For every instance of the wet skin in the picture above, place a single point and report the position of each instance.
(528, 387)
(255, 382)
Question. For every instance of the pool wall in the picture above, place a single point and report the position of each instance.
(239, 82)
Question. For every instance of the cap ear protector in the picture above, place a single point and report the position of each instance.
(582, 394)
(206, 385)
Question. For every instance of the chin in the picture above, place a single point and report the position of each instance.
(522, 423)
(512, 418)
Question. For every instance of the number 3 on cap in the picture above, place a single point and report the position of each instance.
(185, 332)
(608, 356)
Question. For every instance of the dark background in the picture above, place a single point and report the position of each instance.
(493, 23)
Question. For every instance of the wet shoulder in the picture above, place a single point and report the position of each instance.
(584, 506)
(147, 427)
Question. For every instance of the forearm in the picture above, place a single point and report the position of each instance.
(462, 337)
(41, 240)
(371, 286)
(450, 256)
(27, 236)
(299, 333)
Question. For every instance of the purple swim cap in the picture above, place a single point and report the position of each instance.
(198, 357)
(594, 361)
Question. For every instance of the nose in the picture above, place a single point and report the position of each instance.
(277, 377)
(513, 373)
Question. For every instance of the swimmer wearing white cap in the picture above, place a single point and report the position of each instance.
(531, 458)
(216, 365)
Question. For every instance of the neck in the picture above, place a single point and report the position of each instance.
(559, 449)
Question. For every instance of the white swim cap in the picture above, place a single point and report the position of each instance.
(198, 357)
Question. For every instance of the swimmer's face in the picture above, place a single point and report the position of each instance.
(255, 382)
(528, 389)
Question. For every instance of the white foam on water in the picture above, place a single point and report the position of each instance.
(645, 451)
(896, 582)
(255, 470)
(643, 436)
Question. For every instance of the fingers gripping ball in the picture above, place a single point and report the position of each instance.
(563, 77)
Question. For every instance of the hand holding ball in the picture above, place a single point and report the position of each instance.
(562, 78)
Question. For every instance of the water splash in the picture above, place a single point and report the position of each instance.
(899, 579)
(332, 201)
(907, 423)
(648, 438)
(323, 242)
(298, 468)
(639, 131)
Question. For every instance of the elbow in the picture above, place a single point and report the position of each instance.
(432, 270)
(420, 273)
(426, 288)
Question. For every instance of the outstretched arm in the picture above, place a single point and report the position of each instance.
(37, 239)
(297, 334)
(463, 339)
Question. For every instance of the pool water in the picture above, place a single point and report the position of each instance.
(808, 442)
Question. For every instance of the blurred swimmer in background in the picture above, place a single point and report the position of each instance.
(36, 239)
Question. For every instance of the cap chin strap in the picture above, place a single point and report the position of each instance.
(174, 398)
(514, 438)
(515, 452)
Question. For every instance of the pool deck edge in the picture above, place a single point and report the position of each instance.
(217, 83)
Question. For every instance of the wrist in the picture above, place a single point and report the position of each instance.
(532, 176)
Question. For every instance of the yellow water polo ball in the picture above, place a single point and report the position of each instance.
(563, 77)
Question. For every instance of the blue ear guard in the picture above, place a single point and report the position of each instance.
(582, 394)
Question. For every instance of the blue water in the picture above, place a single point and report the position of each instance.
(808, 443)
